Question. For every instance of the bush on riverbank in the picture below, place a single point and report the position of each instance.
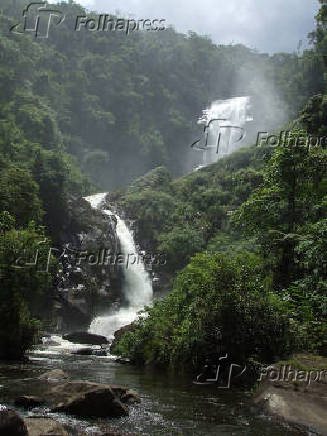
(23, 287)
(218, 304)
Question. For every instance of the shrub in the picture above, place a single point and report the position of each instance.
(214, 297)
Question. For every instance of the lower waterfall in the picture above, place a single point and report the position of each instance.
(136, 283)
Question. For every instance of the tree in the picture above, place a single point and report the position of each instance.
(22, 287)
(286, 201)
(19, 195)
(217, 303)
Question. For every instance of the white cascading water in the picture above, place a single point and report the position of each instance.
(226, 118)
(137, 287)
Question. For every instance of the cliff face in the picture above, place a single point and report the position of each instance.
(88, 282)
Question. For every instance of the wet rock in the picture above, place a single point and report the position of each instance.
(11, 424)
(86, 338)
(38, 426)
(86, 400)
(116, 432)
(54, 375)
(125, 395)
(122, 361)
(85, 230)
(110, 430)
(130, 397)
(28, 402)
(298, 408)
(89, 352)
(119, 333)
(50, 342)
(298, 397)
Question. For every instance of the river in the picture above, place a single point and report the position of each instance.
(170, 404)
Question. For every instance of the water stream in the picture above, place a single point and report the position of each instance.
(136, 284)
(225, 132)
(171, 405)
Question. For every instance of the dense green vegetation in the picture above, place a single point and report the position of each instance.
(109, 107)
(268, 212)
(213, 294)
(125, 104)
(184, 216)
(24, 291)
(252, 233)
(36, 178)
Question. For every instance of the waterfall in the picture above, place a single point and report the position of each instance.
(136, 283)
(224, 124)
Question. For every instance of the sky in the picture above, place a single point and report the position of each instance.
(266, 25)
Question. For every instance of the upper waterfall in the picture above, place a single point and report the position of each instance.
(224, 123)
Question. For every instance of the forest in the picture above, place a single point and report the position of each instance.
(88, 112)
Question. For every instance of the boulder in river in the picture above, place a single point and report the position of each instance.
(87, 400)
(40, 426)
(126, 395)
(86, 338)
(11, 424)
(119, 333)
(28, 402)
(90, 352)
(54, 375)
(298, 397)
(50, 343)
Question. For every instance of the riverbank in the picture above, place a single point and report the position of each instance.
(295, 392)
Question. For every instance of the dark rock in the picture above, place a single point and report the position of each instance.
(128, 396)
(54, 375)
(83, 352)
(86, 338)
(39, 426)
(119, 333)
(111, 430)
(70, 316)
(28, 402)
(85, 399)
(122, 361)
(89, 352)
(49, 342)
(11, 424)
(116, 432)
(84, 230)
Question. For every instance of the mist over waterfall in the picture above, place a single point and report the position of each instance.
(225, 131)
(136, 283)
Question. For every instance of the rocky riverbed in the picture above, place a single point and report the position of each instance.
(57, 389)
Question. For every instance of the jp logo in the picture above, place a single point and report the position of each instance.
(210, 370)
(38, 20)
(216, 144)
